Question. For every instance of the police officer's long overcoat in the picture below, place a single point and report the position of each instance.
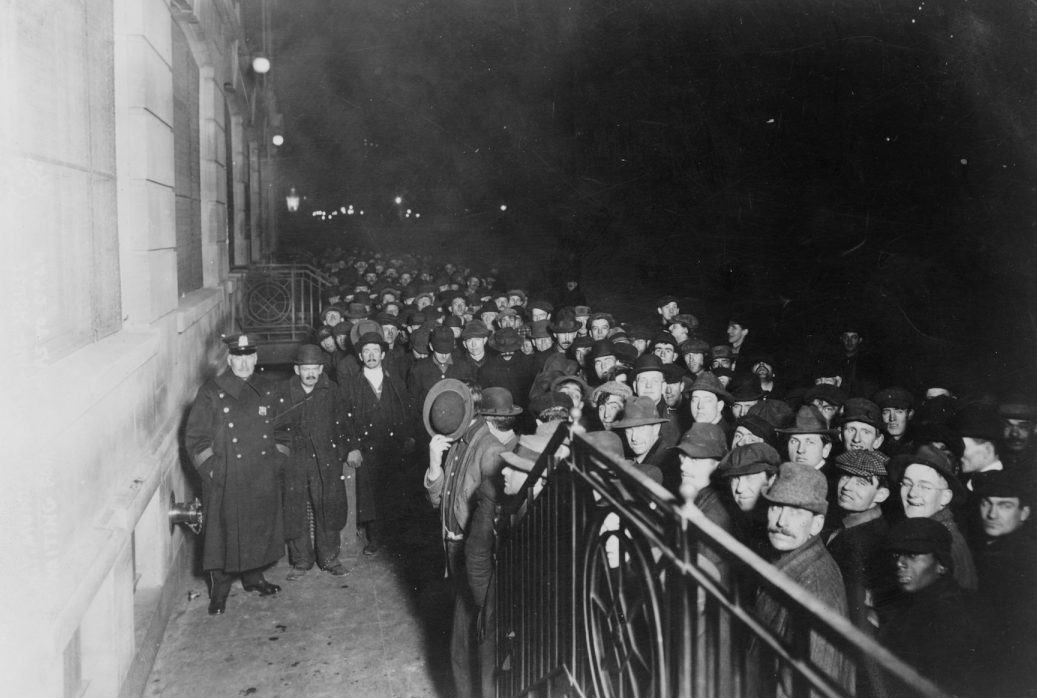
(231, 439)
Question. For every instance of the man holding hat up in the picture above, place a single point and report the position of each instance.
(232, 441)
(465, 449)
(379, 429)
(798, 504)
(312, 414)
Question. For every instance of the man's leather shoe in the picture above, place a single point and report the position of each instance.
(371, 548)
(264, 588)
(217, 607)
(336, 569)
(297, 573)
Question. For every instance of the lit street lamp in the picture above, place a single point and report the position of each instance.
(292, 200)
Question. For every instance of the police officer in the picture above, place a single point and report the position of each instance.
(231, 440)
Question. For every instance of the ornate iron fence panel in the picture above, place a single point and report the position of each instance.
(608, 586)
(281, 302)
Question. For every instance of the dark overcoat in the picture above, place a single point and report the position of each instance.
(377, 426)
(314, 424)
(232, 441)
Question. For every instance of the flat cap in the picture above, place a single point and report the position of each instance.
(895, 397)
(862, 463)
(922, 535)
(799, 486)
(749, 459)
(703, 441)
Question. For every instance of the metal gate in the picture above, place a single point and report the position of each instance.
(280, 304)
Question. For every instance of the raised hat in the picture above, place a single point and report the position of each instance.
(809, 420)
(897, 398)
(309, 355)
(703, 441)
(638, 412)
(862, 463)
(859, 409)
(749, 459)
(442, 340)
(506, 339)
(646, 363)
(475, 329)
(497, 402)
(448, 408)
(363, 327)
(241, 344)
(799, 486)
(922, 535)
(708, 382)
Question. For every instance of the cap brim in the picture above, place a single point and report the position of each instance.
(445, 385)
(638, 422)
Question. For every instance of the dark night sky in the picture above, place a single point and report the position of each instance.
(870, 152)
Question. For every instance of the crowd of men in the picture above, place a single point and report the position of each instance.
(907, 510)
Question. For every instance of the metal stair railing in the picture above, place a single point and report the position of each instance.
(281, 302)
(603, 590)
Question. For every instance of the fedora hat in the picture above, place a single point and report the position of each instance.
(497, 402)
(709, 383)
(809, 420)
(639, 412)
(647, 363)
(448, 408)
(309, 355)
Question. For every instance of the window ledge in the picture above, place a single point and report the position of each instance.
(196, 305)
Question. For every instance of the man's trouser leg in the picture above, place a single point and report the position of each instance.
(461, 646)
(221, 583)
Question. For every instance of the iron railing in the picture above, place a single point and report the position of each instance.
(603, 590)
(281, 302)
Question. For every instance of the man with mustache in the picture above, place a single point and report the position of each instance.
(1020, 425)
(798, 504)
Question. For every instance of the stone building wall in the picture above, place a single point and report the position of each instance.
(101, 352)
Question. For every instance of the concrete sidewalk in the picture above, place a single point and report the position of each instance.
(382, 630)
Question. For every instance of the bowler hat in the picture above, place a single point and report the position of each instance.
(799, 486)
(638, 412)
(746, 391)
(356, 311)
(448, 408)
(703, 441)
(497, 402)
(538, 329)
(370, 338)
(922, 535)
(829, 393)
(419, 340)
(506, 339)
(809, 420)
(563, 323)
(673, 373)
(309, 355)
(859, 409)
(978, 423)
(862, 463)
(475, 329)
(442, 340)
(1003, 483)
(363, 327)
(646, 363)
(548, 400)
(897, 398)
(626, 353)
(709, 383)
(749, 459)
(241, 344)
